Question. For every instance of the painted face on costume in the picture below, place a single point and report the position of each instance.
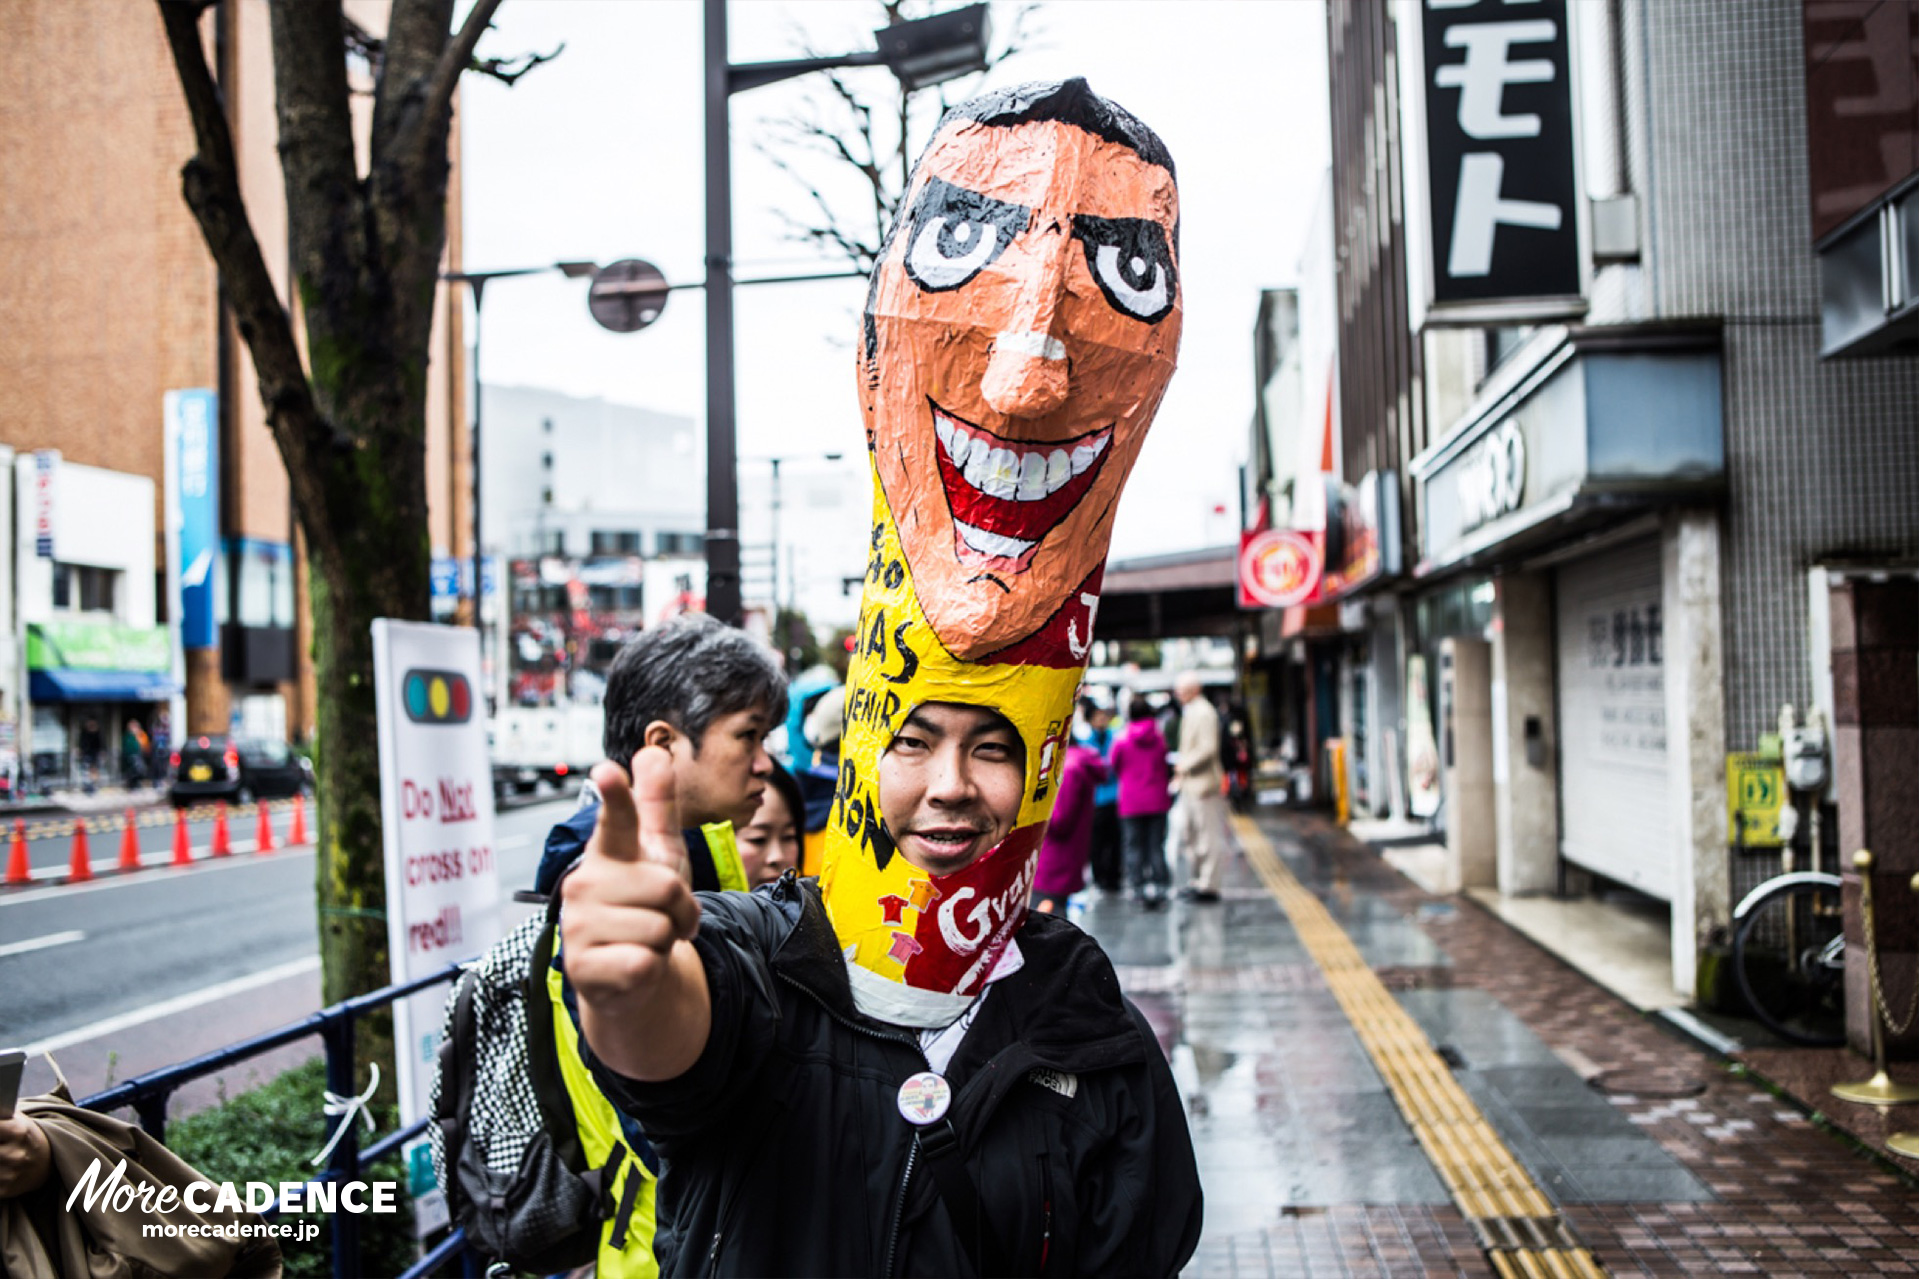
(1024, 322)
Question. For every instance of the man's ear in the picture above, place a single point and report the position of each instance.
(662, 734)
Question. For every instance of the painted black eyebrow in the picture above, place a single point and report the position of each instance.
(940, 198)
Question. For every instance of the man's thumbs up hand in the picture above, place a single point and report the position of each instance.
(626, 904)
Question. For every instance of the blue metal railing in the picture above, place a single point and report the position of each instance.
(148, 1095)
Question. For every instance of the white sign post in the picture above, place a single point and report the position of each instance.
(436, 812)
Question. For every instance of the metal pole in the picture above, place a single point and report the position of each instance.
(776, 539)
(723, 498)
(479, 287)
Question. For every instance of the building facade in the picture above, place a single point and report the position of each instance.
(112, 315)
(1596, 320)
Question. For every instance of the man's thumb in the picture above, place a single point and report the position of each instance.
(616, 831)
(658, 806)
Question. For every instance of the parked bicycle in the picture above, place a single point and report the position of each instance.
(1789, 949)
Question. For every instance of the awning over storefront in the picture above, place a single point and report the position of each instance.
(88, 661)
(1582, 428)
(101, 686)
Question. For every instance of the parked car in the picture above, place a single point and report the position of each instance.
(270, 770)
(204, 768)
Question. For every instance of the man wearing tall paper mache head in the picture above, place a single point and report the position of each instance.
(963, 1081)
(1019, 333)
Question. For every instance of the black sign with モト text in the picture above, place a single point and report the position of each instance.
(1502, 198)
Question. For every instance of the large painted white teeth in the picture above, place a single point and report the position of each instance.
(994, 544)
(1033, 478)
(1084, 455)
(1020, 475)
(1003, 474)
(1059, 470)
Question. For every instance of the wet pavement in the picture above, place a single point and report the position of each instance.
(1656, 1157)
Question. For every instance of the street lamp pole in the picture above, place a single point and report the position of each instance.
(723, 495)
(920, 53)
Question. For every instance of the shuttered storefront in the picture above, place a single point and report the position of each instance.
(1616, 818)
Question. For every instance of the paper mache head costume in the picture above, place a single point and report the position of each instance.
(1020, 330)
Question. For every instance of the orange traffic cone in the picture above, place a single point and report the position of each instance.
(297, 832)
(222, 841)
(17, 870)
(80, 868)
(263, 842)
(182, 845)
(129, 844)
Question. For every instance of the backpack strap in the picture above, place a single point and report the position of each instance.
(940, 1147)
(455, 1103)
(555, 1104)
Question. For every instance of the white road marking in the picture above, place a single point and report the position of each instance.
(40, 943)
(201, 866)
(178, 1004)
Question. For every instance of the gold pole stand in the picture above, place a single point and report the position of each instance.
(1879, 1090)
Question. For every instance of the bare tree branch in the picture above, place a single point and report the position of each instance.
(838, 128)
(210, 183)
(316, 133)
(509, 70)
(455, 58)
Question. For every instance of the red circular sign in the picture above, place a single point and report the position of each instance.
(1279, 568)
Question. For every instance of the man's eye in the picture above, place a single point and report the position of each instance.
(1130, 262)
(954, 233)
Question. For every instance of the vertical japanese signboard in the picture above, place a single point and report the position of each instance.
(193, 509)
(1504, 231)
(46, 482)
(436, 813)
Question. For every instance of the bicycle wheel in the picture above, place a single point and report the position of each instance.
(1789, 960)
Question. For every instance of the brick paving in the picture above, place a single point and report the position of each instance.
(1790, 1197)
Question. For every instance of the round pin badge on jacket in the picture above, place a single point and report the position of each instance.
(924, 1098)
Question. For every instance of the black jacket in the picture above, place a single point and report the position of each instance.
(786, 1153)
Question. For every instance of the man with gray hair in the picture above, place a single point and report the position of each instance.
(1200, 821)
(709, 695)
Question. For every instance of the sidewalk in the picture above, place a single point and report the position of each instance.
(1643, 1147)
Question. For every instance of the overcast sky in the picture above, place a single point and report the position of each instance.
(599, 155)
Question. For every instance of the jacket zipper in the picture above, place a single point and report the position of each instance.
(913, 1151)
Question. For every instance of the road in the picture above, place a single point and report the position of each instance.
(132, 972)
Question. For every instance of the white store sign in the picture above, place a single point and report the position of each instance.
(436, 813)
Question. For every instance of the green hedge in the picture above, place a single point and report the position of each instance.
(269, 1134)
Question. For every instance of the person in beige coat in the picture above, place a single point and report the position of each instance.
(46, 1150)
(1200, 818)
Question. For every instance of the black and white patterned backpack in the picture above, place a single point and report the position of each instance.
(505, 1144)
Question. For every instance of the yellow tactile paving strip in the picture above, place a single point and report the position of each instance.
(1516, 1223)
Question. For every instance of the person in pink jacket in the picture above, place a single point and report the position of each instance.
(1140, 763)
(1062, 868)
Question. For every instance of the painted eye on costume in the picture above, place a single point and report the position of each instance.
(953, 233)
(1130, 262)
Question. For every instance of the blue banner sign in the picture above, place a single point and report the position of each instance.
(192, 421)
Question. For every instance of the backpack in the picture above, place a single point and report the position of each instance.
(504, 1139)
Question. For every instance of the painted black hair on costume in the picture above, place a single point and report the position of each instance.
(688, 672)
(1068, 101)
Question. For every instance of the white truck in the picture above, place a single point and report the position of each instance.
(554, 744)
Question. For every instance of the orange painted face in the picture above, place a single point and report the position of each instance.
(1023, 324)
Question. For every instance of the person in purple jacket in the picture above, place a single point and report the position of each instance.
(1062, 867)
(1140, 763)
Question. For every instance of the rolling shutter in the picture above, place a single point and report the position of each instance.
(1616, 818)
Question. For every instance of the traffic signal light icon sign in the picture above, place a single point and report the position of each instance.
(437, 697)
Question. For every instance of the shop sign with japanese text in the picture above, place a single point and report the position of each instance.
(1502, 201)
